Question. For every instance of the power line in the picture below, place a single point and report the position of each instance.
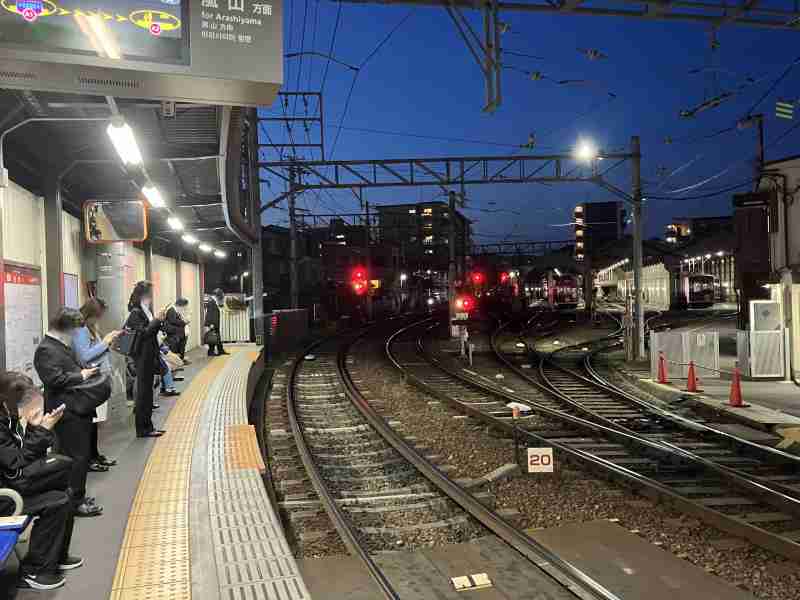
(702, 196)
(330, 53)
(302, 49)
(774, 85)
(429, 137)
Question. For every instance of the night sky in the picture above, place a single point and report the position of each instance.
(423, 81)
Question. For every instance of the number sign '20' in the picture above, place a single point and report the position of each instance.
(540, 460)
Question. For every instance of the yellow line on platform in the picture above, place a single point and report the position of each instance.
(154, 562)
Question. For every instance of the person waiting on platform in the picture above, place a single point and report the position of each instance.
(167, 376)
(92, 351)
(67, 382)
(213, 334)
(26, 434)
(146, 355)
(175, 328)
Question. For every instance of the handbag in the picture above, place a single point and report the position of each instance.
(126, 342)
(47, 474)
(173, 360)
(211, 338)
(83, 398)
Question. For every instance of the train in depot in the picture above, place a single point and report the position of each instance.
(675, 290)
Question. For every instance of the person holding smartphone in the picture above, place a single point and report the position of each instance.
(60, 371)
(26, 434)
(94, 351)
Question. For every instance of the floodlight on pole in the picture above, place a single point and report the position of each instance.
(124, 142)
(585, 151)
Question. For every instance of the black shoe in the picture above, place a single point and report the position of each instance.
(69, 563)
(97, 467)
(41, 581)
(88, 509)
(156, 406)
(161, 431)
(105, 461)
(168, 393)
(223, 353)
(150, 434)
(178, 378)
(210, 353)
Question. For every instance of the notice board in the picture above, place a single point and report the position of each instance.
(71, 291)
(22, 291)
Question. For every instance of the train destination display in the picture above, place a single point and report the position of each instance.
(217, 51)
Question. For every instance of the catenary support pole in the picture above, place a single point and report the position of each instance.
(451, 264)
(368, 265)
(638, 309)
(293, 289)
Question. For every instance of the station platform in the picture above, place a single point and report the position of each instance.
(186, 515)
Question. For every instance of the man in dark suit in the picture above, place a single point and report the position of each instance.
(212, 321)
(175, 328)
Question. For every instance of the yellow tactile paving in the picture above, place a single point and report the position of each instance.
(154, 563)
(241, 449)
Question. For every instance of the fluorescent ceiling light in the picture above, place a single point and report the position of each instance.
(205, 248)
(175, 223)
(124, 142)
(220, 254)
(189, 239)
(153, 196)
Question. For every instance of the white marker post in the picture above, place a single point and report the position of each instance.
(540, 460)
(516, 409)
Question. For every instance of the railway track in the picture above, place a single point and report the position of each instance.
(727, 497)
(375, 485)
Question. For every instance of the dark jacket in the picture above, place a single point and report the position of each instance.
(212, 314)
(58, 368)
(174, 325)
(20, 448)
(146, 351)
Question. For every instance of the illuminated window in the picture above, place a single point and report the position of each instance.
(428, 251)
(579, 208)
(427, 212)
(412, 211)
(579, 233)
(427, 240)
(579, 244)
(579, 221)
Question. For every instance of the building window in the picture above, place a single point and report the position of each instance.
(427, 240)
(412, 211)
(427, 212)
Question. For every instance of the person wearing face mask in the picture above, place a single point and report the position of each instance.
(145, 354)
(60, 371)
(212, 307)
(26, 434)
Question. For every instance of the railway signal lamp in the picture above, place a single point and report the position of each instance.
(478, 278)
(465, 303)
(358, 280)
(504, 277)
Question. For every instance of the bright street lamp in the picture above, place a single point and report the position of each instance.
(586, 151)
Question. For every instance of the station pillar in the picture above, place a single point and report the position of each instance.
(53, 246)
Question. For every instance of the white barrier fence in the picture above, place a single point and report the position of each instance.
(680, 348)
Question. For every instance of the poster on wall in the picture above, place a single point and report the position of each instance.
(23, 302)
(71, 291)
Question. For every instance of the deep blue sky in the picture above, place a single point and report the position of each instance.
(424, 81)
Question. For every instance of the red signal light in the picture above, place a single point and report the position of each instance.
(477, 278)
(359, 287)
(359, 274)
(465, 303)
(504, 277)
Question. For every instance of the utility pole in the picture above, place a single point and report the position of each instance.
(368, 265)
(638, 309)
(293, 285)
(451, 266)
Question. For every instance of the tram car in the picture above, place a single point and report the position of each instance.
(563, 294)
(664, 290)
(694, 290)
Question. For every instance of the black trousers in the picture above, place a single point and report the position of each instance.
(219, 348)
(94, 448)
(143, 391)
(52, 531)
(75, 440)
(179, 346)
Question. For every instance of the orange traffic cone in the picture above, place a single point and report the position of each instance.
(736, 389)
(691, 381)
(662, 368)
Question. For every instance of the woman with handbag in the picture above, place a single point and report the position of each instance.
(95, 351)
(81, 390)
(145, 353)
(213, 335)
(41, 479)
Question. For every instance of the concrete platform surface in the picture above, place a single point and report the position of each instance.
(631, 566)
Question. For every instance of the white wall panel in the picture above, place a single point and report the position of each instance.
(71, 250)
(190, 289)
(163, 281)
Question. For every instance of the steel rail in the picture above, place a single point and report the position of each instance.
(335, 513)
(645, 485)
(576, 580)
